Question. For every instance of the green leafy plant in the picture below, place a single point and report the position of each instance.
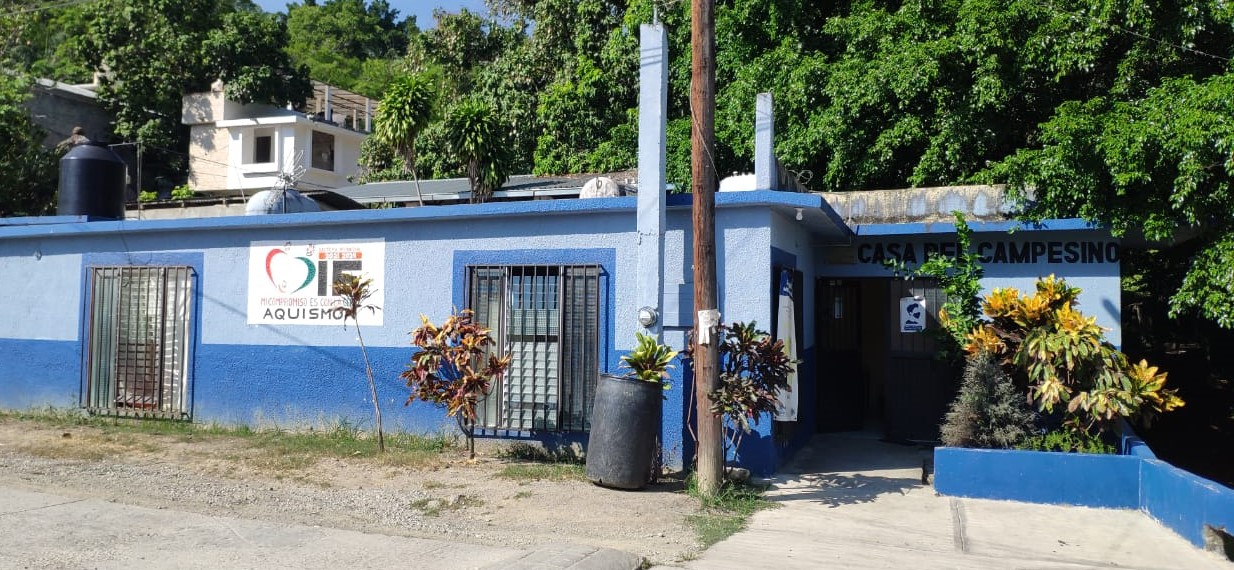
(476, 138)
(754, 368)
(454, 367)
(409, 105)
(1061, 358)
(960, 279)
(147, 196)
(182, 192)
(988, 411)
(356, 292)
(650, 361)
(1068, 441)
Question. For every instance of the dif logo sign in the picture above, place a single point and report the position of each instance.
(292, 284)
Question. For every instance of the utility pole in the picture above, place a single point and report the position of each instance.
(710, 453)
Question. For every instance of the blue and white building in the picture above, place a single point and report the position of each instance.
(231, 320)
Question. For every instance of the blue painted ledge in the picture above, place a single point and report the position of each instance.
(1181, 501)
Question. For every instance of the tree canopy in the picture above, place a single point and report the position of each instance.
(1116, 111)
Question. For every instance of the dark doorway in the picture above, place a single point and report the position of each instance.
(870, 375)
(840, 379)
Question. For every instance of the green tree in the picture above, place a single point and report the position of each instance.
(476, 139)
(337, 39)
(409, 105)
(28, 186)
(152, 52)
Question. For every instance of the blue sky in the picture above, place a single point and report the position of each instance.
(422, 9)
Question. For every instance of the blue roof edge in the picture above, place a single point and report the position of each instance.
(75, 225)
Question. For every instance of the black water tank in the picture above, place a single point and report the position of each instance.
(91, 183)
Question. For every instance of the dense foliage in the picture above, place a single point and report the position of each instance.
(1112, 110)
(28, 184)
(1060, 358)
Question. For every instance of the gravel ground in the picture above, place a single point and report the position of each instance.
(449, 498)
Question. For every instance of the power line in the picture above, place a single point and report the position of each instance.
(1115, 27)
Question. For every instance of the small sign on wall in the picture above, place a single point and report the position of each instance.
(292, 283)
(912, 314)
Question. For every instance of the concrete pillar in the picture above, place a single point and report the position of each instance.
(764, 144)
(652, 125)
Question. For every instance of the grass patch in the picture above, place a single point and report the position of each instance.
(274, 450)
(543, 472)
(727, 512)
(522, 495)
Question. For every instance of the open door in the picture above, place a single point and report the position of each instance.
(841, 384)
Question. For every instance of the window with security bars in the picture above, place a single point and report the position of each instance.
(548, 318)
(138, 341)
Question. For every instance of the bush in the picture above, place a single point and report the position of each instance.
(1067, 441)
(1061, 358)
(182, 192)
(147, 196)
(988, 412)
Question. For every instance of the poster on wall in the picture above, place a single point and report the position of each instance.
(291, 283)
(912, 314)
(786, 330)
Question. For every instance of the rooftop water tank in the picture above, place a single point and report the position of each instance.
(91, 183)
(279, 202)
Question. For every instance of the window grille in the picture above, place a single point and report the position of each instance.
(138, 327)
(548, 318)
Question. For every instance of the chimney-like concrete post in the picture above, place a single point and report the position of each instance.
(652, 125)
(764, 144)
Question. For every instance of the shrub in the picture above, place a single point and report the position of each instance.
(988, 412)
(754, 368)
(1067, 441)
(147, 196)
(1061, 359)
(454, 368)
(182, 192)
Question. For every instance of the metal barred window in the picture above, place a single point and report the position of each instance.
(548, 317)
(138, 330)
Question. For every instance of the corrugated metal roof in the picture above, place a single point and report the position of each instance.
(523, 186)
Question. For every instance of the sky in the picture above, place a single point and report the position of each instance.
(422, 9)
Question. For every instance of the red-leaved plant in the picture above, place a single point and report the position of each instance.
(454, 367)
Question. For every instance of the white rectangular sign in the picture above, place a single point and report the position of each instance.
(291, 283)
(912, 314)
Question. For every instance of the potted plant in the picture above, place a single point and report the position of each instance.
(626, 415)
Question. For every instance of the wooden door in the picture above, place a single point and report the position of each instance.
(841, 384)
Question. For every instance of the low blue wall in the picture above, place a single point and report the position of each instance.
(1109, 481)
(1183, 501)
(1180, 500)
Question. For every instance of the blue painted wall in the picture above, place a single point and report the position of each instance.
(1109, 481)
(300, 376)
(1184, 502)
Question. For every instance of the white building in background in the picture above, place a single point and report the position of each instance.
(237, 147)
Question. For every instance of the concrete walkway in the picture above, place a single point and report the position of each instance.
(39, 530)
(851, 501)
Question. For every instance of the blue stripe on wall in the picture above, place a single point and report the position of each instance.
(306, 386)
(39, 373)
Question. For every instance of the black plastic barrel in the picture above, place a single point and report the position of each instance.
(91, 183)
(625, 421)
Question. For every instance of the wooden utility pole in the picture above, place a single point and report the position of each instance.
(703, 170)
